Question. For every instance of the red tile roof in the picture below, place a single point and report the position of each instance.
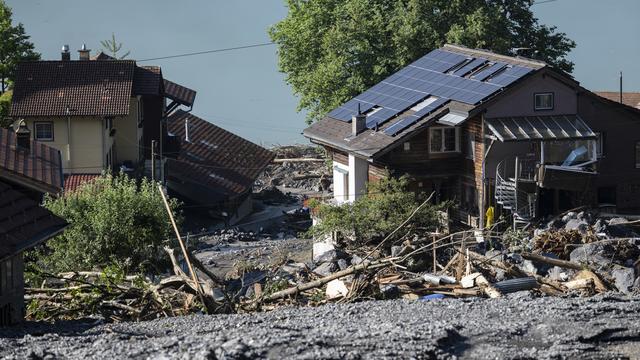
(215, 157)
(628, 98)
(73, 181)
(86, 88)
(23, 223)
(179, 93)
(147, 80)
(40, 168)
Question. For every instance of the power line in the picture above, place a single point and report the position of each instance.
(542, 2)
(208, 51)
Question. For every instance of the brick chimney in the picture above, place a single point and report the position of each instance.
(66, 54)
(84, 53)
(358, 123)
(23, 136)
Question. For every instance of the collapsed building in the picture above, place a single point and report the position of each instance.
(488, 131)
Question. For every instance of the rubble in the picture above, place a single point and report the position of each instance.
(299, 167)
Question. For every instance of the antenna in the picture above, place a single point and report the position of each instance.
(359, 112)
(620, 87)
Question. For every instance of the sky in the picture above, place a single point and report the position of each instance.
(243, 91)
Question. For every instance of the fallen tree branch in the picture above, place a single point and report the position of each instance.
(553, 262)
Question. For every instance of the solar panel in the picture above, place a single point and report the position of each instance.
(509, 75)
(484, 74)
(470, 67)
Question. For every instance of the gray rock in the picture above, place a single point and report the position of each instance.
(618, 221)
(569, 216)
(494, 255)
(600, 226)
(355, 260)
(343, 264)
(396, 250)
(293, 268)
(558, 274)
(624, 279)
(529, 267)
(575, 224)
(325, 269)
(389, 290)
(590, 253)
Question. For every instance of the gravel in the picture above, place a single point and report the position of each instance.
(517, 326)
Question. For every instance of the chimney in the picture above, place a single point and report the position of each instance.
(66, 54)
(23, 136)
(84, 52)
(358, 122)
(186, 130)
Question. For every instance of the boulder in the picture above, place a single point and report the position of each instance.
(617, 221)
(336, 288)
(575, 224)
(624, 279)
(323, 252)
(293, 268)
(325, 269)
(590, 253)
(569, 216)
(343, 264)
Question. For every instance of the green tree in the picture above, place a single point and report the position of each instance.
(5, 105)
(14, 47)
(112, 47)
(331, 50)
(112, 219)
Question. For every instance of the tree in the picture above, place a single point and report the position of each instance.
(14, 47)
(112, 47)
(112, 219)
(332, 50)
(5, 105)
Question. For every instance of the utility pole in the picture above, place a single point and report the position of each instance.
(153, 160)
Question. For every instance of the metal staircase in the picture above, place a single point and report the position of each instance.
(510, 192)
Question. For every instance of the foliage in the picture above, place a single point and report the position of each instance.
(374, 216)
(515, 237)
(14, 47)
(332, 50)
(112, 47)
(112, 220)
(5, 105)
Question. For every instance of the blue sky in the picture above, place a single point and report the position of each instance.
(242, 91)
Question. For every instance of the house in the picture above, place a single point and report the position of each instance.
(628, 98)
(28, 169)
(211, 166)
(487, 130)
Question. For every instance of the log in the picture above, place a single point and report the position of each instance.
(306, 176)
(553, 262)
(488, 289)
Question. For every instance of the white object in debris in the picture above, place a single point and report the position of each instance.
(479, 236)
(336, 288)
(469, 281)
(321, 248)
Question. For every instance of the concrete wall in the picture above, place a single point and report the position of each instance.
(11, 290)
(358, 176)
(520, 100)
(340, 182)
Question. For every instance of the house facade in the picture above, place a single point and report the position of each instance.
(487, 130)
(28, 169)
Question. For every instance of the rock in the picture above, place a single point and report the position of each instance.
(494, 255)
(232, 349)
(325, 269)
(336, 288)
(617, 221)
(569, 216)
(323, 251)
(529, 267)
(355, 260)
(590, 253)
(293, 268)
(343, 264)
(389, 290)
(624, 279)
(558, 274)
(600, 226)
(575, 224)
(396, 250)
(469, 281)
(636, 285)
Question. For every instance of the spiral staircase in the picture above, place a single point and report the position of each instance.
(516, 189)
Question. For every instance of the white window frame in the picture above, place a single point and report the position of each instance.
(471, 142)
(35, 130)
(535, 101)
(442, 146)
(406, 146)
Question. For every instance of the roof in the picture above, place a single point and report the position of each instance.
(74, 88)
(452, 79)
(179, 93)
(73, 181)
(24, 223)
(40, 168)
(549, 127)
(215, 157)
(628, 98)
(147, 80)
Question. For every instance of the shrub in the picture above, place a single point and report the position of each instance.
(388, 204)
(112, 219)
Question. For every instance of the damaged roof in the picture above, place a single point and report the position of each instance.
(23, 222)
(73, 88)
(215, 157)
(447, 81)
(628, 98)
(179, 93)
(147, 80)
(40, 168)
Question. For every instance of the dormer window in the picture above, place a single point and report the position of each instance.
(543, 101)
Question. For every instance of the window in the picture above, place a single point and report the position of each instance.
(471, 147)
(637, 154)
(443, 140)
(600, 145)
(407, 146)
(43, 131)
(543, 101)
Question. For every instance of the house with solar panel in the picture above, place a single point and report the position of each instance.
(487, 130)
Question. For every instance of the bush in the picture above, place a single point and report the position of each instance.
(112, 219)
(388, 204)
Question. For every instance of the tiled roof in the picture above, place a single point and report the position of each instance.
(215, 157)
(23, 223)
(179, 93)
(40, 168)
(628, 98)
(147, 80)
(85, 88)
(73, 181)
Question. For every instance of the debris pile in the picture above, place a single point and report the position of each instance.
(296, 166)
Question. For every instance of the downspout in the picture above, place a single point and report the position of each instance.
(484, 184)
(68, 135)
(104, 155)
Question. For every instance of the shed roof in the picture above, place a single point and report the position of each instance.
(215, 157)
(24, 223)
(549, 127)
(179, 93)
(628, 98)
(40, 168)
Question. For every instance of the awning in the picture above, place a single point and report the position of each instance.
(179, 93)
(551, 127)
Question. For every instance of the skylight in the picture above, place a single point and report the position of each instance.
(424, 103)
